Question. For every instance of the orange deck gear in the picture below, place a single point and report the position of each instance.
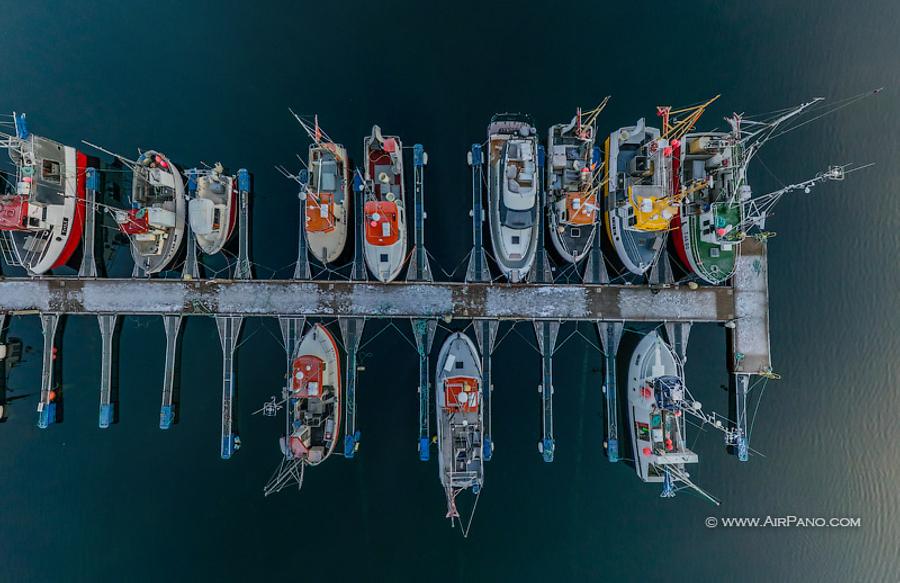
(461, 394)
(320, 212)
(382, 225)
(306, 376)
(586, 213)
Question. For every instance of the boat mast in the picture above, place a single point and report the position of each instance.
(759, 208)
(751, 135)
(675, 128)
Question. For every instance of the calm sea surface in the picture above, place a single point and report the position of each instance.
(214, 81)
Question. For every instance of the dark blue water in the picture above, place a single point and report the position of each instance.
(213, 82)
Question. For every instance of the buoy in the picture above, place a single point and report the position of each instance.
(667, 151)
(675, 143)
(646, 451)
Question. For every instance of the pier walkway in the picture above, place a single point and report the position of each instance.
(361, 299)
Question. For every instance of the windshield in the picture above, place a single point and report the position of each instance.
(516, 219)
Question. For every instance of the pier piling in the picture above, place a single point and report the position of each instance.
(92, 185)
(229, 328)
(242, 269)
(351, 332)
(107, 324)
(47, 405)
(172, 325)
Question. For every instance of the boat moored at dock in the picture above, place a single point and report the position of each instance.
(384, 206)
(513, 193)
(327, 194)
(42, 219)
(460, 420)
(657, 401)
(155, 223)
(644, 190)
(314, 399)
(706, 231)
(212, 209)
(640, 177)
(573, 180)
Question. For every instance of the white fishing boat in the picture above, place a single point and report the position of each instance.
(385, 205)
(327, 194)
(212, 211)
(460, 421)
(573, 181)
(42, 219)
(155, 223)
(513, 193)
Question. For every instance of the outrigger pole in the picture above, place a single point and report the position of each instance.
(676, 130)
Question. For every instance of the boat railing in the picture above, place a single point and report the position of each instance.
(7, 250)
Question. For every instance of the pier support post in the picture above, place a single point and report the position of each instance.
(191, 262)
(486, 334)
(107, 332)
(172, 324)
(4, 355)
(242, 269)
(351, 332)
(301, 269)
(610, 336)
(419, 268)
(47, 405)
(358, 271)
(661, 271)
(678, 334)
(546, 333)
(229, 330)
(423, 330)
(477, 270)
(742, 388)
(92, 185)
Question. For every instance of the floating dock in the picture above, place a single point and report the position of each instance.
(741, 306)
